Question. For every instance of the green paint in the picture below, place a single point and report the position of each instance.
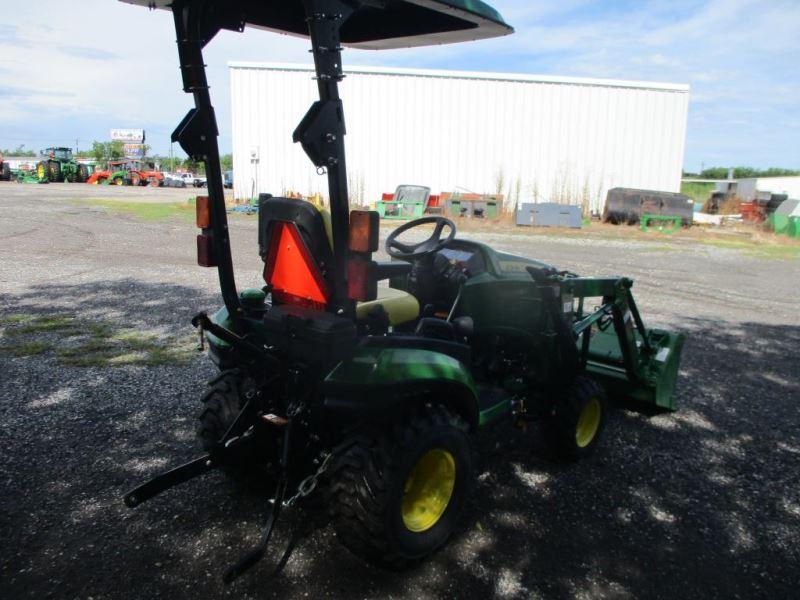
(661, 223)
(382, 366)
(253, 297)
(495, 412)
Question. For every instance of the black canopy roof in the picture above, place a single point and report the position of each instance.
(376, 24)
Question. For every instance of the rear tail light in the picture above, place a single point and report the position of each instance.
(361, 285)
(205, 241)
(203, 212)
(205, 251)
(364, 226)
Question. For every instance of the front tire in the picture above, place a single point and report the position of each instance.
(42, 171)
(576, 425)
(395, 497)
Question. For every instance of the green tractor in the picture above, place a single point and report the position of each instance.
(366, 397)
(5, 170)
(59, 165)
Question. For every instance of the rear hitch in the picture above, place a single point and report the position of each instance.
(171, 478)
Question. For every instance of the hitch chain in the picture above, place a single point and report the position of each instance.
(309, 484)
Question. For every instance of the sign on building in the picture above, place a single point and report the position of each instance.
(128, 135)
(133, 150)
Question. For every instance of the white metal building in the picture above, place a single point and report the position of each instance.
(747, 189)
(561, 139)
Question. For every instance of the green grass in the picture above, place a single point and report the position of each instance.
(26, 348)
(15, 318)
(90, 343)
(147, 211)
(64, 324)
(768, 251)
(699, 192)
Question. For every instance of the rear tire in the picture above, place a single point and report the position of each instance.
(83, 173)
(6, 173)
(135, 179)
(395, 497)
(222, 402)
(55, 171)
(576, 425)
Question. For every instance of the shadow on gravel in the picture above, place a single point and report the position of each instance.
(702, 502)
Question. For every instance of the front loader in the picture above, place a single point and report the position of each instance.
(367, 395)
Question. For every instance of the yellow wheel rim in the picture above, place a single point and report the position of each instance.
(428, 490)
(40, 171)
(588, 423)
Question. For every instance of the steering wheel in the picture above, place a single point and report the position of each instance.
(427, 247)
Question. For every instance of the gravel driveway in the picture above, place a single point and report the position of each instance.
(701, 503)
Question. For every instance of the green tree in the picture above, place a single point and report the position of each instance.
(18, 151)
(226, 162)
(104, 151)
(747, 172)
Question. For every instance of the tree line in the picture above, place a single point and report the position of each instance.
(742, 173)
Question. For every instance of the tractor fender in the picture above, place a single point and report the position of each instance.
(377, 382)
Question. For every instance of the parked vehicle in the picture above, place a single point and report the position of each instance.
(5, 170)
(60, 165)
(227, 179)
(173, 180)
(114, 174)
(143, 173)
(369, 398)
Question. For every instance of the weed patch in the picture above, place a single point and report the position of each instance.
(90, 343)
(146, 211)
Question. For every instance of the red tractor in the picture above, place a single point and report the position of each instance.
(133, 172)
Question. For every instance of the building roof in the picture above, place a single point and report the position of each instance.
(479, 75)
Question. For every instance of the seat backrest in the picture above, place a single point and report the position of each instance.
(294, 244)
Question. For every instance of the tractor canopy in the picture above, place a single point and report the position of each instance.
(374, 24)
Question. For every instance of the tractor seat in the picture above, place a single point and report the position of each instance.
(399, 305)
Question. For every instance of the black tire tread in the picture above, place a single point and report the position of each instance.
(357, 493)
(559, 429)
(221, 403)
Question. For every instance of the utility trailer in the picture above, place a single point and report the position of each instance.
(627, 205)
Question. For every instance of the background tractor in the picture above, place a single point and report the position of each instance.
(58, 165)
(367, 396)
(5, 170)
(143, 173)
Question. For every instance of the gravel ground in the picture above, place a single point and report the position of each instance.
(701, 503)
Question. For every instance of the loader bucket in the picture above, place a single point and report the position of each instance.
(648, 387)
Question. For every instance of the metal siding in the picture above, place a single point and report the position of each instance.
(553, 140)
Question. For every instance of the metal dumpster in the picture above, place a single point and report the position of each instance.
(549, 214)
(479, 206)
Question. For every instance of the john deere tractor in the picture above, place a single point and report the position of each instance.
(58, 164)
(369, 396)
